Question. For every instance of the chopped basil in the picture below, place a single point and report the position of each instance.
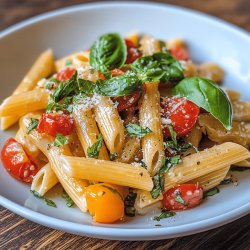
(136, 130)
(165, 214)
(160, 66)
(226, 181)
(179, 198)
(32, 125)
(60, 140)
(143, 164)
(129, 203)
(173, 135)
(158, 181)
(211, 192)
(94, 150)
(51, 83)
(69, 201)
(206, 94)
(47, 201)
(68, 62)
(108, 52)
(175, 159)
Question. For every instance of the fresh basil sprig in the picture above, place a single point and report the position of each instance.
(60, 140)
(207, 95)
(32, 125)
(94, 150)
(136, 130)
(108, 52)
(160, 66)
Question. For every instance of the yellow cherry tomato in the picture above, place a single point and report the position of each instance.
(105, 202)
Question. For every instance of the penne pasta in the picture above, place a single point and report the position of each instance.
(211, 71)
(150, 45)
(44, 180)
(149, 114)
(233, 95)
(43, 67)
(110, 124)
(204, 162)
(24, 103)
(75, 188)
(241, 111)
(107, 171)
(87, 130)
(133, 37)
(194, 137)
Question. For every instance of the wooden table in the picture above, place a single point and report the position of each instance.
(16, 232)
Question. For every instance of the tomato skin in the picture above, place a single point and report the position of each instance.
(65, 74)
(182, 113)
(116, 72)
(54, 123)
(105, 202)
(17, 162)
(180, 53)
(191, 194)
(133, 52)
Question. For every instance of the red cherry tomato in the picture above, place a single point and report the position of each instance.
(116, 72)
(65, 74)
(53, 123)
(125, 102)
(182, 113)
(183, 196)
(133, 52)
(17, 162)
(101, 76)
(180, 53)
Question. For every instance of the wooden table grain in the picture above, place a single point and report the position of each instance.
(19, 233)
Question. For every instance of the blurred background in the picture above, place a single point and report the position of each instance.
(234, 11)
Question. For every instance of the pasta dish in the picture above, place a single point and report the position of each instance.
(125, 126)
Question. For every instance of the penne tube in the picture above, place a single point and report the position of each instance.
(241, 111)
(149, 114)
(107, 171)
(245, 163)
(44, 180)
(205, 162)
(43, 67)
(75, 145)
(212, 179)
(110, 124)
(75, 188)
(211, 71)
(150, 45)
(233, 95)
(24, 103)
(195, 135)
(87, 130)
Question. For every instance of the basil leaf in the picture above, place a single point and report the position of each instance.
(32, 125)
(180, 200)
(206, 94)
(50, 84)
(173, 134)
(86, 87)
(65, 88)
(108, 52)
(165, 214)
(158, 181)
(159, 66)
(69, 201)
(175, 159)
(94, 150)
(122, 85)
(60, 140)
(47, 201)
(129, 203)
(211, 192)
(136, 130)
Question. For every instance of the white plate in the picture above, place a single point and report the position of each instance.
(71, 29)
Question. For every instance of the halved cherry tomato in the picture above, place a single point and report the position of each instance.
(183, 196)
(180, 53)
(65, 74)
(105, 202)
(125, 102)
(53, 123)
(133, 52)
(182, 113)
(17, 162)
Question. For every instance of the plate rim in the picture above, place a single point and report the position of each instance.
(125, 233)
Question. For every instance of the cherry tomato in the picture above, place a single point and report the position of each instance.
(116, 72)
(180, 53)
(17, 162)
(65, 74)
(126, 102)
(53, 123)
(183, 196)
(182, 113)
(101, 76)
(133, 52)
(105, 202)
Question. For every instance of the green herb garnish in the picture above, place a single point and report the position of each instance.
(129, 203)
(211, 192)
(94, 150)
(165, 214)
(173, 135)
(69, 201)
(47, 201)
(32, 125)
(60, 140)
(179, 198)
(136, 130)
(113, 156)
